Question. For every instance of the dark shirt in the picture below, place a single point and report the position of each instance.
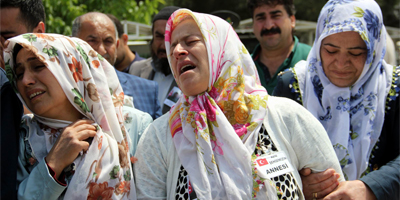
(11, 113)
(299, 52)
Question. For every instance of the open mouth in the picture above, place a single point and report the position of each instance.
(35, 94)
(186, 68)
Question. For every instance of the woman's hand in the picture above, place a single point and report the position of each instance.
(318, 185)
(351, 190)
(69, 144)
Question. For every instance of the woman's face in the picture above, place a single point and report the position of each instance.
(189, 59)
(343, 58)
(39, 88)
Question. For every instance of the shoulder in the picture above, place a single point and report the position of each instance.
(288, 110)
(393, 95)
(142, 63)
(287, 86)
(302, 50)
(304, 46)
(140, 116)
(158, 133)
(283, 105)
(3, 77)
(139, 81)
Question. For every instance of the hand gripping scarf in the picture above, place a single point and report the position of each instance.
(104, 171)
(215, 132)
(352, 116)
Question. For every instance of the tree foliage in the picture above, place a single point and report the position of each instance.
(306, 9)
(61, 13)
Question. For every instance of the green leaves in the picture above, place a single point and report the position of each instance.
(61, 13)
(78, 100)
(51, 51)
(30, 37)
(128, 176)
(84, 55)
(114, 172)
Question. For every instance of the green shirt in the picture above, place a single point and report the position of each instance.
(299, 52)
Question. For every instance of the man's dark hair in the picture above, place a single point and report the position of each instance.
(288, 4)
(164, 14)
(31, 11)
(118, 25)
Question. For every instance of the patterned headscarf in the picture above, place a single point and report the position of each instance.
(352, 116)
(215, 132)
(104, 170)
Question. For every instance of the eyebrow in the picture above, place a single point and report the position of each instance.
(173, 44)
(260, 14)
(274, 12)
(27, 60)
(358, 48)
(91, 37)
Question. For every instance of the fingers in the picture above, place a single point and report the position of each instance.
(305, 171)
(320, 183)
(333, 196)
(83, 127)
(85, 134)
(325, 191)
(316, 178)
(80, 122)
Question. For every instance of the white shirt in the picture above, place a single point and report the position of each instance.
(291, 127)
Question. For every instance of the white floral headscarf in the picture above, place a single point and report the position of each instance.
(352, 116)
(215, 132)
(104, 171)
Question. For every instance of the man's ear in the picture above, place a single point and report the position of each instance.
(124, 38)
(293, 21)
(40, 28)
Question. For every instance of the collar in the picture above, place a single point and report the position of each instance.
(256, 53)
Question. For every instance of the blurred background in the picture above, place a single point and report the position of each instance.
(136, 17)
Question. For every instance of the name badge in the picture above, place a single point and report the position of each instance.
(273, 165)
(173, 96)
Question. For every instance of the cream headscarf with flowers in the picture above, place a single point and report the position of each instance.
(352, 116)
(215, 132)
(104, 171)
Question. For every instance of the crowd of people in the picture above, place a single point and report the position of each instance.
(84, 117)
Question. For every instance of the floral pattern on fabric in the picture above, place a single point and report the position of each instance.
(352, 116)
(219, 126)
(90, 90)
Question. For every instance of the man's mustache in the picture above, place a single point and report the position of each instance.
(270, 31)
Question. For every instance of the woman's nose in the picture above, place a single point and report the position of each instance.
(28, 78)
(179, 51)
(342, 60)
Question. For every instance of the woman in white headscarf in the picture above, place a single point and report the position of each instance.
(77, 143)
(225, 138)
(353, 92)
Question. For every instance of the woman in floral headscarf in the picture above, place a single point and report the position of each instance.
(353, 92)
(63, 80)
(225, 138)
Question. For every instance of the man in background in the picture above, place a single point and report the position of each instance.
(16, 17)
(125, 57)
(99, 31)
(278, 48)
(157, 67)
